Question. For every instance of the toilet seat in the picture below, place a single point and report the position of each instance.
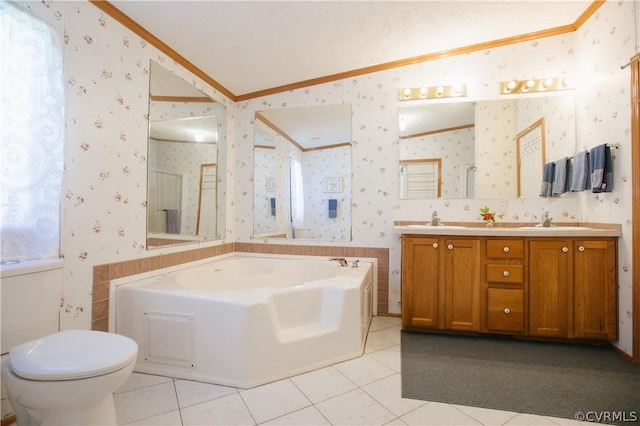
(72, 354)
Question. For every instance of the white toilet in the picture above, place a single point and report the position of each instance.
(57, 378)
(68, 378)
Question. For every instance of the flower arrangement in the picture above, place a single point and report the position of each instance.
(487, 215)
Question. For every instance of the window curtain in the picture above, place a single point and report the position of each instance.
(31, 136)
(297, 193)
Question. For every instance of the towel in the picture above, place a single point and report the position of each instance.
(600, 169)
(561, 168)
(579, 179)
(173, 221)
(273, 206)
(546, 190)
(333, 208)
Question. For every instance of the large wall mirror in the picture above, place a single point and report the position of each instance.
(302, 173)
(186, 162)
(483, 149)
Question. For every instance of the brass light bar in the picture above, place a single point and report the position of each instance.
(432, 92)
(536, 85)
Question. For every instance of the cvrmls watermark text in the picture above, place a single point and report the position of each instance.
(606, 416)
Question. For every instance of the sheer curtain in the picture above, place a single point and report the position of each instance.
(297, 193)
(31, 136)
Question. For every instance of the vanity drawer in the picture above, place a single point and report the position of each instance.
(505, 249)
(505, 310)
(505, 273)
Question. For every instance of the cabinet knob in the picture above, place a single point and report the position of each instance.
(505, 249)
(435, 245)
(580, 248)
(450, 246)
(507, 310)
(565, 249)
(505, 273)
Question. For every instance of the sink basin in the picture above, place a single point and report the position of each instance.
(435, 227)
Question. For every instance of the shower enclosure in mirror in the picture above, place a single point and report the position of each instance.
(483, 149)
(186, 160)
(302, 173)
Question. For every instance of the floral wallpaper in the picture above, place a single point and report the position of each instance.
(106, 72)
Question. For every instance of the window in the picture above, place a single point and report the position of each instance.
(31, 136)
(297, 193)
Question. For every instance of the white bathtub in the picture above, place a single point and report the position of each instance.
(244, 321)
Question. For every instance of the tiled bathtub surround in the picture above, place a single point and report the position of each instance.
(103, 274)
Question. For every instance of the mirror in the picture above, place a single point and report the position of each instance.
(302, 173)
(186, 162)
(483, 149)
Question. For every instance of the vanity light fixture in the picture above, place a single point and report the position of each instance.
(533, 85)
(432, 92)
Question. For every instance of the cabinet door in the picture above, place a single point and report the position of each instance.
(421, 274)
(550, 288)
(595, 289)
(462, 284)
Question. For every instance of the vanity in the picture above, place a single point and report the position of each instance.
(556, 282)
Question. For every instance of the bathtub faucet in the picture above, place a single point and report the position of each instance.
(354, 264)
(341, 260)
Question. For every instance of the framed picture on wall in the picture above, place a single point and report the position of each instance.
(333, 184)
(271, 184)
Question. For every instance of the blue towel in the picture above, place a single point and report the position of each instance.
(546, 190)
(173, 221)
(333, 208)
(273, 206)
(560, 176)
(579, 179)
(600, 169)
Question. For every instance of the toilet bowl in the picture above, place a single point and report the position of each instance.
(68, 378)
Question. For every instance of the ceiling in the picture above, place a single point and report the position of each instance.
(253, 46)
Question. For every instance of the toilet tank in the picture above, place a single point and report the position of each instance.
(30, 294)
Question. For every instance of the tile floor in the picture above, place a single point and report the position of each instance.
(362, 391)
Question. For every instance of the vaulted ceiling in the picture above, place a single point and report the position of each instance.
(252, 48)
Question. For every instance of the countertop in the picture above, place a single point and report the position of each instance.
(608, 230)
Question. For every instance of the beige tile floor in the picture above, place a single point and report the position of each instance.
(362, 391)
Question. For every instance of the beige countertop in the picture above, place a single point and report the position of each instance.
(510, 230)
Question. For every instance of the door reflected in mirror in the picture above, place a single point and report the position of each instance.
(302, 173)
(479, 146)
(186, 157)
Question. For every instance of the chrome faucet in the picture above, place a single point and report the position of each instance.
(546, 220)
(435, 220)
(341, 260)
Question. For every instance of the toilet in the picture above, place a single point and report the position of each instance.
(68, 378)
(56, 377)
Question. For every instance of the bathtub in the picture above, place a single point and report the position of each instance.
(244, 321)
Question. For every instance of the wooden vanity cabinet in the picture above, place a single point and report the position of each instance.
(440, 283)
(550, 287)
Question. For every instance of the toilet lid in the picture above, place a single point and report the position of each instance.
(72, 354)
